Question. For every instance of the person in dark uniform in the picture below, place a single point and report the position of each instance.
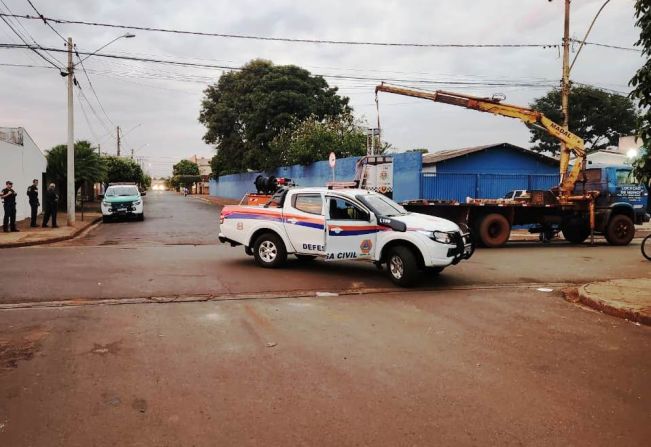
(8, 196)
(51, 200)
(32, 193)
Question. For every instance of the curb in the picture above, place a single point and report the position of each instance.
(52, 240)
(602, 306)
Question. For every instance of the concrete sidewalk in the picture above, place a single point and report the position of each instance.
(36, 236)
(624, 298)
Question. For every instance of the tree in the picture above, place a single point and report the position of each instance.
(641, 84)
(120, 169)
(596, 116)
(89, 167)
(313, 140)
(245, 110)
(185, 173)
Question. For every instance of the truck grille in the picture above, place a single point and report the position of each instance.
(124, 205)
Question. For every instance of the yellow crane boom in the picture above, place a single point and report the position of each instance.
(573, 143)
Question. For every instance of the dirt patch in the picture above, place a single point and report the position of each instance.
(571, 294)
(20, 346)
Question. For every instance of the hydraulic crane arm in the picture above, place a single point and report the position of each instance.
(573, 143)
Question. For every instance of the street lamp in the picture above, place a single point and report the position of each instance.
(71, 133)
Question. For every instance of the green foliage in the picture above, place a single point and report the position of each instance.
(641, 84)
(314, 139)
(422, 150)
(642, 167)
(185, 173)
(120, 169)
(185, 167)
(598, 117)
(245, 110)
(89, 166)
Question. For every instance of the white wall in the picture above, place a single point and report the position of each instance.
(21, 164)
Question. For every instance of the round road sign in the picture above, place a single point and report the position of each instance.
(332, 159)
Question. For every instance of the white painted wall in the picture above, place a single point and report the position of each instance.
(21, 164)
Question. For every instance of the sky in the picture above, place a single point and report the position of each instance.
(157, 106)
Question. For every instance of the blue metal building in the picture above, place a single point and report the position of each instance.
(488, 171)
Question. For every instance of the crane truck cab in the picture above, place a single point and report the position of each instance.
(345, 225)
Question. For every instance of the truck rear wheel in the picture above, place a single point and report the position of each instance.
(403, 266)
(269, 251)
(494, 230)
(575, 231)
(620, 230)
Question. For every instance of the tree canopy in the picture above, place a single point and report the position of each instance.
(314, 139)
(89, 166)
(185, 173)
(598, 117)
(120, 169)
(641, 84)
(245, 110)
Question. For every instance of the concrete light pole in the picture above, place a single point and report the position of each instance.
(70, 171)
(70, 165)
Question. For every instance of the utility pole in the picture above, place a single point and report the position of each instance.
(565, 86)
(99, 149)
(132, 154)
(71, 141)
(118, 141)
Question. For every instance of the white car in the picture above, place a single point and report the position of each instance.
(345, 224)
(122, 200)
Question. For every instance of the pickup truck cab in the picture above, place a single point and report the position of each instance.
(344, 225)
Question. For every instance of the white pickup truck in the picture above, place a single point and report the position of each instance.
(344, 225)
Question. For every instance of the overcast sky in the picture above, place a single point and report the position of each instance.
(157, 105)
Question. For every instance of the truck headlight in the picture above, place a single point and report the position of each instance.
(105, 203)
(137, 202)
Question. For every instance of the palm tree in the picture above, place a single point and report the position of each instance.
(89, 166)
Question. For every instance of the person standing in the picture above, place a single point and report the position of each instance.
(8, 196)
(34, 203)
(51, 201)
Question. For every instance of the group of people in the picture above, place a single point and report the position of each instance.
(8, 196)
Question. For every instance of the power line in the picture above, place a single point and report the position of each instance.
(93, 88)
(331, 76)
(604, 45)
(45, 21)
(24, 39)
(287, 39)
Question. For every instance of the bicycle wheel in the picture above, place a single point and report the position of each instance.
(646, 247)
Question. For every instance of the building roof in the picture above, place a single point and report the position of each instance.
(13, 135)
(439, 156)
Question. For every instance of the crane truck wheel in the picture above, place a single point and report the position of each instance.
(494, 230)
(620, 230)
(575, 231)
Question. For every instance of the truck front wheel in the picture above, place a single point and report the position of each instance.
(494, 230)
(403, 266)
(269, 251)
(621, 230)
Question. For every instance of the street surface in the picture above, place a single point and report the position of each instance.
(175, 253)
(478, 356)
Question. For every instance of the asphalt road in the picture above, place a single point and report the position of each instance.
(175, 253)
(475, 367)
(478, 356)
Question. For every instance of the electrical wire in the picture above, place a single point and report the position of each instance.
(24, 40)
(286, 39)
(92, 88)
(45, 21)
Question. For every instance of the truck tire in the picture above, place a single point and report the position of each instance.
(494, 230)
(269, 251)
(575, 231)
(620, 230)
(402, 266)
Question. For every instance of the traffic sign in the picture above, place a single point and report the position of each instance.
(332, 160)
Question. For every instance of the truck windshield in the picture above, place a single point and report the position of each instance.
(625, 177)
(381, 205)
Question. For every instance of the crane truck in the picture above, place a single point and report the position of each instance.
(604, 200)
